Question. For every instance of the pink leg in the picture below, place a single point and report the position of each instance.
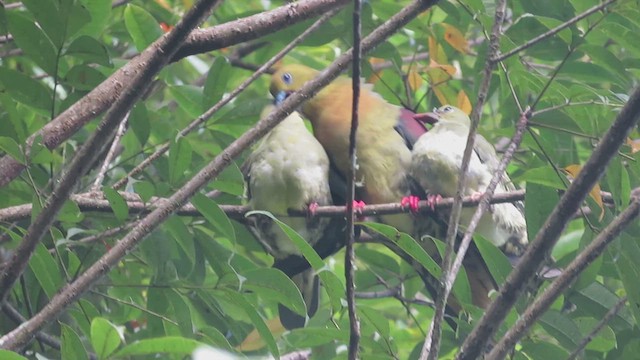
(433, 200)
(410, 201)
(313, 207)
(476, 195)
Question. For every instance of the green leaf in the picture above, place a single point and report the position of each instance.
(24, 89)
(542, 176)
(498, 264)
(540, 200)
(189, 98)
(216, 217)
(89, 50)
(561, 328)
(100, 12)
(11, 355)
(274, 284)
(139, 122)
(144, 189)
(180, 155)
(71, 345)
(142, 26)
(12, 148)
(256, 320)
(46, 270)
(629, 271)
(105, 337)
(70, 213)
(117, 203)
(181, 311)
(408, 244)
(216, 83)
(166, 345)
(181, 235)
(376, 319)
(32, 40)
(312, 337)
(49, 18)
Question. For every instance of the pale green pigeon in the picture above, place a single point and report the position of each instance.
(436, 162)
(289, 169)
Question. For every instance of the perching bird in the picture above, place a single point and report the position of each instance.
(385, 137)
(289, 169)
(436, 162)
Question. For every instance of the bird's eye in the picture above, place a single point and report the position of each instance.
(287, 78)
(447, 108)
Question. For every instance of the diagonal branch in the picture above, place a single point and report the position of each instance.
(569, 274)
(432, 342)
(552, 228)
(71, 292)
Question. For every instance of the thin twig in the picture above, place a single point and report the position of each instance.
(560, 284)
(601, 324)
(349, 257)
(71, 292)
(549, 233)
(225, 100)
(122, 128)
(552, 32)
(431, 345)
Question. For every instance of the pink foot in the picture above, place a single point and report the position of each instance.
(358, 206)
(433, 200)
(313, 207)
(476, 196)
(410, 201)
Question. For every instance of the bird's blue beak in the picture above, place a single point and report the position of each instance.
(280, 96)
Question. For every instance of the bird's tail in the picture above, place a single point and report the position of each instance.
(309, 286)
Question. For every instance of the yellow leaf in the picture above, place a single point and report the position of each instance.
(436, 52)
(415, 80)
(463, 102)
(455, 38)
(574, 170)
(635, 145)
(254, 341)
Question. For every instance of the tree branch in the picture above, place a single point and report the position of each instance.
(350, 256)
(552, 228)
(560, 284)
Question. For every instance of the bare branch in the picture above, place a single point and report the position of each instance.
(560, 284)
(97, 184)
(350, 256)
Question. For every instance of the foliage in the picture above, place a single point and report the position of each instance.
(204, 279)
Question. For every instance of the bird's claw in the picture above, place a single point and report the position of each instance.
(476, 196)
(433, 200)
(358, 206)
(312, 208)
(410, 201)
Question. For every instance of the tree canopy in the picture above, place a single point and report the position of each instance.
(123, 126)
